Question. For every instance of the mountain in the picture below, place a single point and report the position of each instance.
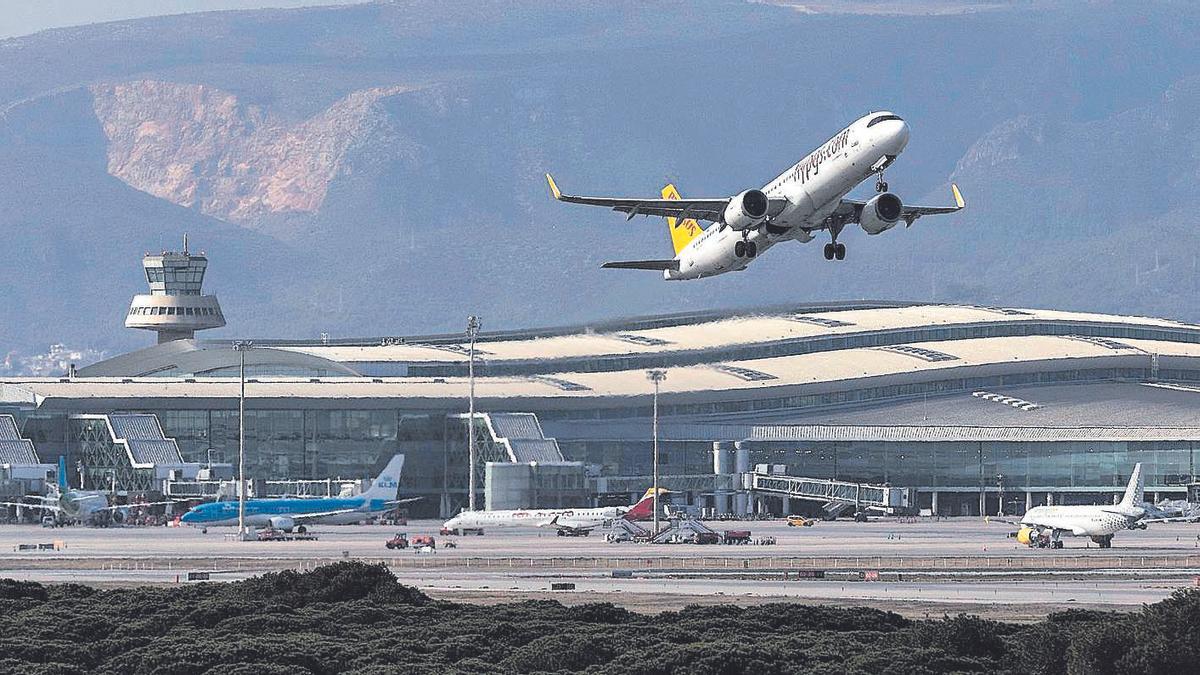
(377, 169)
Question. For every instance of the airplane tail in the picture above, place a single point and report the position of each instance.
(387, 482)
(644, 508)
(1135, 492)
(62, 474)
(682, 232)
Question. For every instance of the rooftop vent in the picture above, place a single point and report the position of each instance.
(565, 385)
(929, 355)
(1100, 342)
(819, 321)
(644, 340)
(747, 374)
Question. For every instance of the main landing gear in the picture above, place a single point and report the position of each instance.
(745, 249)
(835, 250)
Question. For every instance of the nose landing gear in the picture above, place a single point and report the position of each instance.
(835, 250)
(880, 184)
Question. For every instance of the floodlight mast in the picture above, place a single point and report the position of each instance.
(657, 377)
(242, 347)
(473, 326)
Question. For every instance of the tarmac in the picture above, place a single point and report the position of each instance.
(915, 567)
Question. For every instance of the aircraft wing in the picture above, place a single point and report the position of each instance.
(118, 507)
(908, 212)
(554, 522)
(711, 210)
(993, 519)
(1172, 519)
(46, 507)
(322, 514)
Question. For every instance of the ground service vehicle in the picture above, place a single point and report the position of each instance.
(398, 541)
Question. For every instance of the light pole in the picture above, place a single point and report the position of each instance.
(242, 347)
(473, 326)
(656, 376)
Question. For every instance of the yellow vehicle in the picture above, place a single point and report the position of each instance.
(801, 521)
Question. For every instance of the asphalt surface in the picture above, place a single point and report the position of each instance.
(956, 563)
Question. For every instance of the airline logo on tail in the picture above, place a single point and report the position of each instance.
(682, 231)
(644, 509)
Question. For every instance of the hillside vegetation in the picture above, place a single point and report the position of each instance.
(354, 617)
(377, 168)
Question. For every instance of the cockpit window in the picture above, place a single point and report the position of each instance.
(882, 118)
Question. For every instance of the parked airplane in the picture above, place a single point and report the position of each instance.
(67, 506)
(285, 513)
(808, 197)
(566, 521)
(1043, 526)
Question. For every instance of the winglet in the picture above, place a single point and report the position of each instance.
(553, 188)
(958, 198)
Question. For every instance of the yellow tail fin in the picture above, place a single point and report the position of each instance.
(682, 232)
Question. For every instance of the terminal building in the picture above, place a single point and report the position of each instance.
(957, 407)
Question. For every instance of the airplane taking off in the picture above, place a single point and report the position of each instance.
(566, 521)
(1043, 526)
(284, 513)
(808, 197)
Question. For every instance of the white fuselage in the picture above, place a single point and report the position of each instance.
(813, 187)
(1083, 521)
(569, 518)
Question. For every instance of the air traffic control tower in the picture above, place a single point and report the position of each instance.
(174, 307)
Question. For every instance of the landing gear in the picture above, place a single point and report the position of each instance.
(745, 249)
(880, 184)
(835, 250)
(1105, 540)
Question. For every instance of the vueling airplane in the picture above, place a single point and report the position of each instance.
(1043, 526)
(285, 513)
(808, 197)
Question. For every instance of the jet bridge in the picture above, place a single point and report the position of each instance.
(836, 495)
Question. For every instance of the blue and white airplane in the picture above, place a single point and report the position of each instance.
(286, 513)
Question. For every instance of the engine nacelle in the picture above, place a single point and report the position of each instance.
(746, 210)
(282, 523)
(1027, 536)
(119, 516)
(881, 213)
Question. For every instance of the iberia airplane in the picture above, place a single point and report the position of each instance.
(566, 521)
(808, 197)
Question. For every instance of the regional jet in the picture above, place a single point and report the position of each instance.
(1043, 526)
(568, 522)
(807, 198)
(289, 513)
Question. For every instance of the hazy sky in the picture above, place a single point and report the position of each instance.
(21, 17)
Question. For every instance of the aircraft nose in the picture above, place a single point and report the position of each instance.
(900, 134)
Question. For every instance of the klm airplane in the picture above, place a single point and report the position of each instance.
(288, 513)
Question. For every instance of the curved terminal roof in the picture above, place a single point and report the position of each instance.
(758, 362)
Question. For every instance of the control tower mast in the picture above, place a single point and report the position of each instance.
(174, 307)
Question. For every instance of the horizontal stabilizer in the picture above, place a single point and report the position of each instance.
(642, 265)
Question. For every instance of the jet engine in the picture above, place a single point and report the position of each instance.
(1027, 536)
(746, 210)
(881, 213)
(282, 523)
(119, 516)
